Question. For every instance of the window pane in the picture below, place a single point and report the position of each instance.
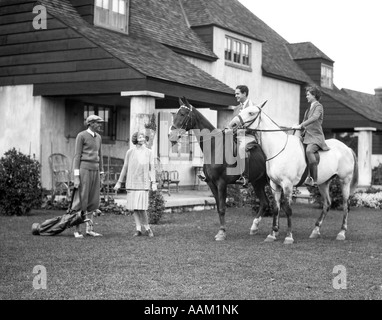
(246, 54)
(99, 3)
(228, 50)
(326, 76)
(115, 5)
(122, 6)
(236, 51)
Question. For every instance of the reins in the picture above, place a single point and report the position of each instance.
(255, 131)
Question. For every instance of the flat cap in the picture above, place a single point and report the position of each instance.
(93, 118)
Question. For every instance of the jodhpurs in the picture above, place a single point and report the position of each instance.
(311, 149)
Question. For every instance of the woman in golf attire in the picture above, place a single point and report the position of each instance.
(138, 168)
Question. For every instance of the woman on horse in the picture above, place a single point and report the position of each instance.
(313, 136)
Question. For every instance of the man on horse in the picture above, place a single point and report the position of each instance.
(244, 143)
(312, 136)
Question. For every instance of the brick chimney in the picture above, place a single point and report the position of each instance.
(378, 93)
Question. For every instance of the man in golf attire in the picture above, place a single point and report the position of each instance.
(88, 172)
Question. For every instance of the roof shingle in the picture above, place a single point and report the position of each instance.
(232, 15)
(142, 53)
(306, 50)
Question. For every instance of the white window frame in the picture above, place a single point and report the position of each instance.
(109, 10)
(237, 52)
(326, 76)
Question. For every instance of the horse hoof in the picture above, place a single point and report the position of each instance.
(270, 238)
(254, 231)
(288, 240)
(220, 238)
(340, 237)
(314, 235)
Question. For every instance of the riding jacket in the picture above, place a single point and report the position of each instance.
(312, 125)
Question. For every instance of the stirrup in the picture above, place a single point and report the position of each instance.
(310, 182)
(201, 177)
(243, 181)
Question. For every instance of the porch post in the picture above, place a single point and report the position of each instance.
(365, 149)
(142, 106)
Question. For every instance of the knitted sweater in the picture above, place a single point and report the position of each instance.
(138, 168)
(88, 154)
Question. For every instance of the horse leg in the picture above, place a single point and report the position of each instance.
(324, 191)
(345, 196)
(221, 201)
(276, 190)
(286, 204)
(264, 203)
(215, 192)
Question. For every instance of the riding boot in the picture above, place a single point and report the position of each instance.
(313, 172)
(202, 177)
(243, 180)
(311, 180)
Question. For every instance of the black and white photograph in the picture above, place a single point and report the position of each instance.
(187, 157)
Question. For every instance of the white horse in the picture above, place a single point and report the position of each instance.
(286, 165)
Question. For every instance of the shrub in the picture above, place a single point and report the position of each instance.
(370, 198)
(156, 206)
(155, 211)
(376, 175)
(20, 186)
(239, 197)
(335, 195)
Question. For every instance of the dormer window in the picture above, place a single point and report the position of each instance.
(326, 76)
(237, 52)
(112, 14)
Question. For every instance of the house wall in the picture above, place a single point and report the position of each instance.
(20, 120)
(283, 97)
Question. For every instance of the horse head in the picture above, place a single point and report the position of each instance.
(182, 121)
(247, 117)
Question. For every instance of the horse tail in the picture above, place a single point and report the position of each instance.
(354, 180)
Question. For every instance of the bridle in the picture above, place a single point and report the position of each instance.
(188, 118)
(246, 124)
(249, 122)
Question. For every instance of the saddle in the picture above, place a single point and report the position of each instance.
(248, 147)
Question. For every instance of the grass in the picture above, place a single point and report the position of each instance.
(183, 261)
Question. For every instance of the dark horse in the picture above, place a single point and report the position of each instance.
(217, 165)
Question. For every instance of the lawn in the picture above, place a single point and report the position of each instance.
(183, 261)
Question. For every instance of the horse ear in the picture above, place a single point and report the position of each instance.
(187, 103)
(181, 102)
(264, 103)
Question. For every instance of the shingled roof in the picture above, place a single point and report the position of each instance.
(164, 22)
(306, 50)
(137, 50)
(357, 102)
(371, 104)
(232, 15)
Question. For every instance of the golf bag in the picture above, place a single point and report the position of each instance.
(54, 226)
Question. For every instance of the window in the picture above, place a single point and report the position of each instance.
(326, 76)
(112, 14)
(107, 114)
(228, 49)
(237, 51)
